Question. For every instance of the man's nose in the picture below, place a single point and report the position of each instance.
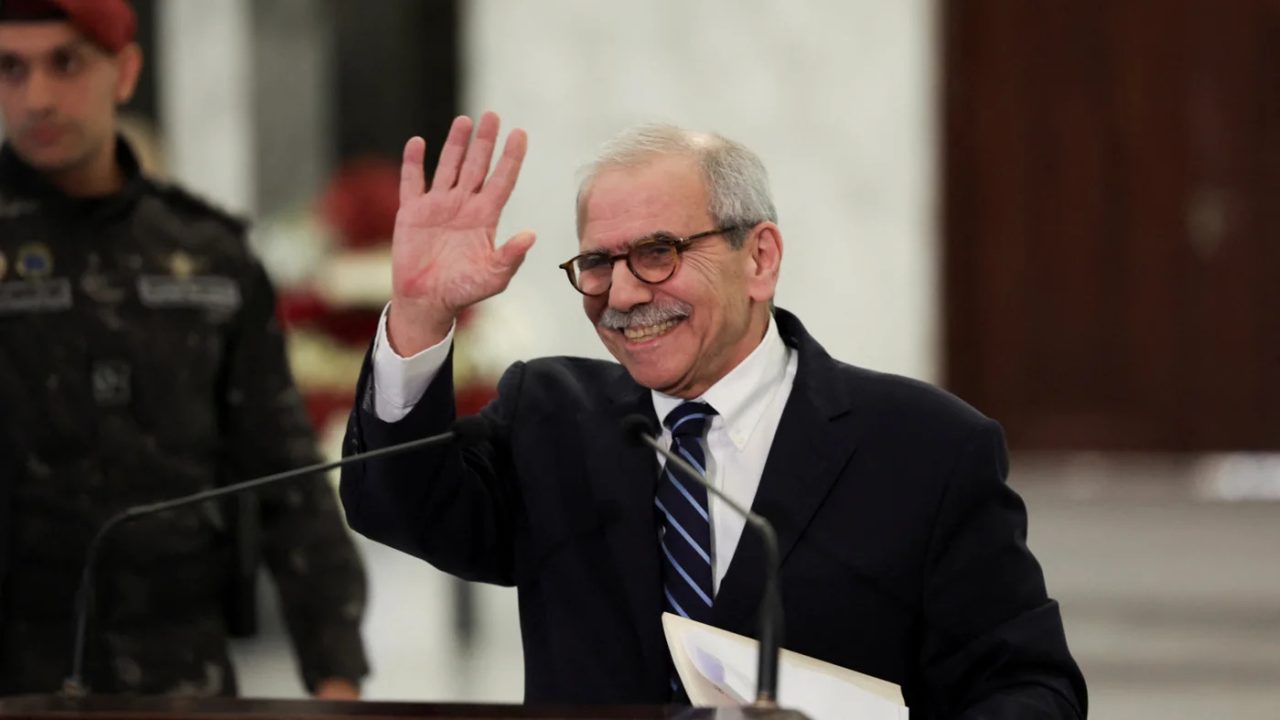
(39, 91)
(627, 290)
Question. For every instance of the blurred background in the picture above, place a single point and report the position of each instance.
(1067, 213)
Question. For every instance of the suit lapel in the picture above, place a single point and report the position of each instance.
(811, 446)
(622, 476)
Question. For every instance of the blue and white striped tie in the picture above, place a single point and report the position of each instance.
(684, 534)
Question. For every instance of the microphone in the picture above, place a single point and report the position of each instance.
(465, 430)
(639, 429)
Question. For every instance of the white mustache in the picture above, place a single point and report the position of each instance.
(641, 315)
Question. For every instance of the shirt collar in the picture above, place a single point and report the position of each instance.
(740, 398)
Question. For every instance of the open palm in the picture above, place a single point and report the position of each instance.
(443, 251)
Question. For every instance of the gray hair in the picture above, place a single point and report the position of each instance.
(737, 183)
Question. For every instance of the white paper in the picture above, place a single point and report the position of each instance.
(718, 668)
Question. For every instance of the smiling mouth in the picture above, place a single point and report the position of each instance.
(45, 134)
(648, 332)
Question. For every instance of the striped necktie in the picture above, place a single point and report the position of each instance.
(684, 533)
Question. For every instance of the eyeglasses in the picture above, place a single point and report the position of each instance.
(653, 260)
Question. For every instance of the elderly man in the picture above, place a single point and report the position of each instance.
(903, 548)
(140, 360)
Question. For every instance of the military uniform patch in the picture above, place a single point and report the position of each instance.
(100, 286)
(112, 383)
(205, 292)
(4, 265)
(34, 261)
(24, 296)
(182, 265)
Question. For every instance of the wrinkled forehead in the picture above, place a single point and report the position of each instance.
(624, 204)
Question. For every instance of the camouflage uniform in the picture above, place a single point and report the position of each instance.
(140, 360)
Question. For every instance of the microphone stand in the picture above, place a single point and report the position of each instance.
(467, 428)
(771, 602)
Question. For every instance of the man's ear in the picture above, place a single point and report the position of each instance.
(764, 260)
(129, 64)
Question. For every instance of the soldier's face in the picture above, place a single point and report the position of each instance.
(59, 92)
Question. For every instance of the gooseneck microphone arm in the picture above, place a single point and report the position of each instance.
(640, 430)
(466, 429)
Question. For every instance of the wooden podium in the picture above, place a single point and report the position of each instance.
(115, 707)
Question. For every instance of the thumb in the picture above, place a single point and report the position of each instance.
(513, 251)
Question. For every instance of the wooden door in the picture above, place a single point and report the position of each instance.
(1112, 220)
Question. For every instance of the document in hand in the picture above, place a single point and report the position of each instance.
(718, 667)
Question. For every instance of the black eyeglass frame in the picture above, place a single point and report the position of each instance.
(679, 244)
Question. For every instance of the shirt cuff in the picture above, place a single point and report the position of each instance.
(399, 382)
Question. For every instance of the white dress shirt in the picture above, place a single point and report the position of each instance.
(398, 382)
(748, 402)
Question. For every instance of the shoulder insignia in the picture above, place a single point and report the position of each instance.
(34, 261)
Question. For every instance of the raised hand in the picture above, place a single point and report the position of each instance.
(443, 252)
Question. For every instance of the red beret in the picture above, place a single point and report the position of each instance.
(108, 23)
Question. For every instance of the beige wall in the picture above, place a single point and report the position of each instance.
(203, 73)
(838, 96)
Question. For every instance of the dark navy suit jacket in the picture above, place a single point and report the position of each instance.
(903, 550)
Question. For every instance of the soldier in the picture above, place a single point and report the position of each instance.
(139, 360)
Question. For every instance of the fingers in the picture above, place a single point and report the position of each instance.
(464, 161)
(503, 179)
(480, 153)
(455, 147)
(412, 180)
(513, 251)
